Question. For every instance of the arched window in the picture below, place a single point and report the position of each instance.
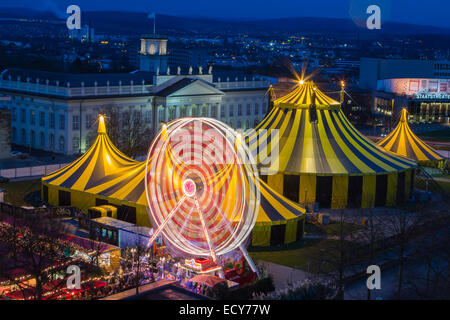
(194, 111)
(61, 143)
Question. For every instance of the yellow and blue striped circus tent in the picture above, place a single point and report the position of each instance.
(307, 150)
(104, 175)
(404, 142)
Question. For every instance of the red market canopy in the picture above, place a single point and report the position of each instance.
(207, 280)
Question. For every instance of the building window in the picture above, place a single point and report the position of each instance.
(161, 115)
(41, 139)
(88, 121)
(255, 123)
(248, 125)
(23, 115)
(222, 111)
(32, 117)
(172, 113)
(62, 122)
(249, 109)
(32, 138)
(239, 110)
(214, 111)
(13, 134)
(23, 136)
(61, 143)
(52, 120)
(148, 116)
(51, 141)
(231, 111)
(41, 118)
(75, 144)
(13, 114)
(239, 124)
(204, 111)
(183, 111)
(194, 111)
(75, 122)
(264, 108)
(256, 108)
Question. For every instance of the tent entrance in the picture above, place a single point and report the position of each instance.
(324, 190)
(63, 198)
(277, 234)
(291, 187)
(381, 190)
(354, 198)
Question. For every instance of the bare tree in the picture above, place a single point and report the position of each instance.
(336, 255)
(38, 249)
(127, 130)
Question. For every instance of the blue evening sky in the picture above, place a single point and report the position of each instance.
(429, 12)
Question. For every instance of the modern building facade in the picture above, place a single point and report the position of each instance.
(55, 111)
(423, 84)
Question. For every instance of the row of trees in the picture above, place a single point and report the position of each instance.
(412, 239)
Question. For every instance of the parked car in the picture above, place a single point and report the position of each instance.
(15, 153)
(18, 154)
(3, 179)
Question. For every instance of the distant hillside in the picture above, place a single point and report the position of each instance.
(138, 22)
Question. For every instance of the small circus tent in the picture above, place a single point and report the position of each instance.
(404, 142)
(105, 176)
(307, 150)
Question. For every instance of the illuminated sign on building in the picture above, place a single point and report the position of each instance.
(417, 88)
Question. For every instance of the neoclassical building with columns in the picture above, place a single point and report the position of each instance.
(56, 111)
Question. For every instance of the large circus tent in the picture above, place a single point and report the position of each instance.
(404, 142)
(307, 150)
(104, 175)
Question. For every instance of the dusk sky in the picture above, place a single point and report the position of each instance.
(430, 12)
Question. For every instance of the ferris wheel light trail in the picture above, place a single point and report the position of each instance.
(201, 188)
(241, 247)
(158, 231)
(205, 230)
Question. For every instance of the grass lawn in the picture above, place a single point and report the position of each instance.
(299, 254)
(420, 184)
(22, 193)
(296, 255)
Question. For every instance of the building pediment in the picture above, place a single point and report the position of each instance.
(189, 87)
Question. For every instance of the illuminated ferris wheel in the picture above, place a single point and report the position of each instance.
(201, 188)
